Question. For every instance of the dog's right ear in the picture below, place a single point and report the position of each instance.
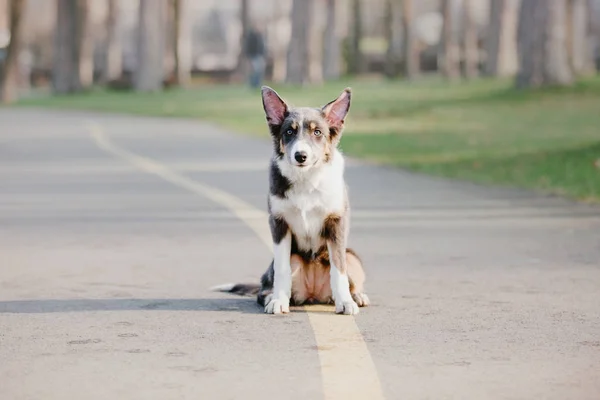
(275, 108)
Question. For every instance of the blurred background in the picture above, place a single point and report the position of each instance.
(501, 91)
(322, 39)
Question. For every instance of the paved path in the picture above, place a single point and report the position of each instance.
(113, 228)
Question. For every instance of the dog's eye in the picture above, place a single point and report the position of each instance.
(289, 132)
(317, 132)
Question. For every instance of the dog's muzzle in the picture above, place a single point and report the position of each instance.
(300, 157)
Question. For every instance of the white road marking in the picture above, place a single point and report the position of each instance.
(347, 369)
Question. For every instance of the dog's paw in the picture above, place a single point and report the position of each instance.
(277, 306)
(361, 299)
(346, 308)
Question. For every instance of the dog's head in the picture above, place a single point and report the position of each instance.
(305, 136)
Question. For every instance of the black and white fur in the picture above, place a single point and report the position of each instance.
(308, 211)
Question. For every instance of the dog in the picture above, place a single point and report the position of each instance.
(309, 212)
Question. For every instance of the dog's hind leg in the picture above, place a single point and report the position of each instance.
(356, 275)
(299, 290)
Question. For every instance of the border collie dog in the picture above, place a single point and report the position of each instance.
(309, 212)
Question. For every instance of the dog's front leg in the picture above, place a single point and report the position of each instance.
(340, 284)
(335, 233)
(338, 272)
(279, 301)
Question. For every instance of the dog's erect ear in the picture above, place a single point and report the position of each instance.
(336, 111)
(274, 106)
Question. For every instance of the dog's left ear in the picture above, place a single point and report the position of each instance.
(336, 111)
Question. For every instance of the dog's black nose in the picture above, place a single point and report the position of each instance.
(300, 156)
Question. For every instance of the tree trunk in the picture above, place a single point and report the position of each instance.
(496, 26)
(394, 36)
(580, 49)
(279, 41)
(298, 52)
(331, 45)
(531, 36)
(470, 42)
(150, 61)
(501, 40)
(85, 44)
(4, 17)
(316, 35)
(242, 65)
(543, 58)
(113, 61)
(176, 15)
(409, 46)
(355, 62)
(182, 42)
(557, 71)
(72, 65)
(10, 71)
(593, 24)
(449, 46)
(65, 63)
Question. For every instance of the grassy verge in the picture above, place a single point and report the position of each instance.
(481, 131)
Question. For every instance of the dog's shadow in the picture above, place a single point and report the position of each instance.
(46, 306)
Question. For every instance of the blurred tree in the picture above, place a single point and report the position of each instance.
(85, 44)
(449, 47)
(316, 36)
(242, 66)
(580, 36)
(9, 72)
(72, 69)
(298, 62)
(213, 31)
(112, 66)
(182, 42)
(331, 46)
(355, 59)
(149, 73)
(501, 39)
(542, 43)
(409, 45)
(278, 39)
(470, 41)
(394, 36)
(402, 40)
(594, 31)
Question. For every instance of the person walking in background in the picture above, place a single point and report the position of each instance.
(256, 53)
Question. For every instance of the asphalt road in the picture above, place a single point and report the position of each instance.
(112, 229)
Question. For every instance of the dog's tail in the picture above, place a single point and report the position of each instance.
(241, 289)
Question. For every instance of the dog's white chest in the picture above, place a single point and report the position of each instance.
(305, 213)
(306, 206)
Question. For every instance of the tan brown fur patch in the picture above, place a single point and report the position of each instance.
(331, 227)
(311, 280)
(328, 145)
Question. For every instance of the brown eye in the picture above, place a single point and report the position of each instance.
(317, 132)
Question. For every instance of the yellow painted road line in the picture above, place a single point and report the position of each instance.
(347, 369)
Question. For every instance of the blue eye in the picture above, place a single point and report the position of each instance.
(317, 132)
(289, 132)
